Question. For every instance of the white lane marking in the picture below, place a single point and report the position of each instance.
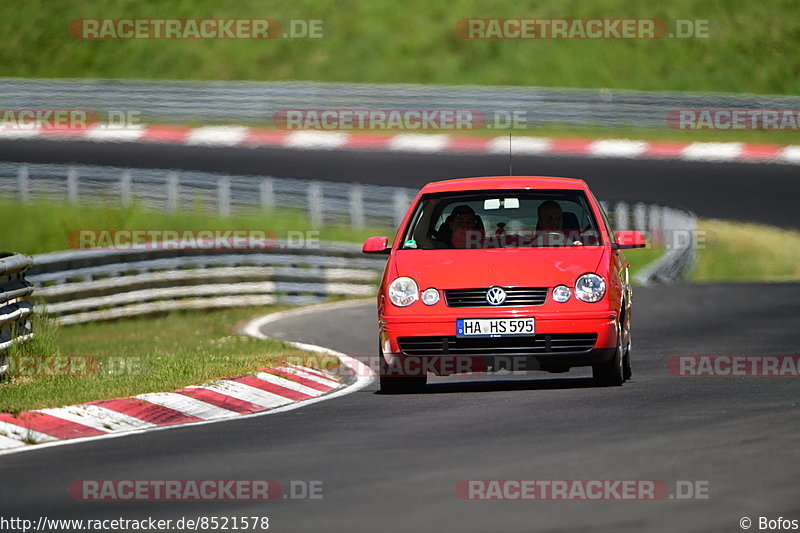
(104, 133)
(519, 145)
(217, 135)
(246, 393)
(364, 374)
(617, 148)
(14, 133)
(7, 443)
(418, 142)
(311, 377)
(790, 154)
(186, 405)
(712, 151)
(287, 384)
(18, 432)
(325, 140)
(97, 417)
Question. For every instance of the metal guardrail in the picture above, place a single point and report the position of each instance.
(87, 285)
(91, 285)
(325, 202)
(14, 309)
(218, 102)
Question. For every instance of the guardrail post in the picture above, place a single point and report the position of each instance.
(125, 187)
(668, 228)
(72, 186)
(22, 183)
(15, 326)
(640, 217)
(267, 194)
(400, 200)
(621, 215)
(356, 206)
(224, 196)
(654, 221)
(172, 192)
(315, 212)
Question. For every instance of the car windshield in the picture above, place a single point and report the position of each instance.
(502, 219)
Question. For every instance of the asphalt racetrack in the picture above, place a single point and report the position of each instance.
(391, 463)
(765, 193)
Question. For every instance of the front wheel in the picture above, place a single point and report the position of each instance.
(391, 383)
(626, 363)
(611, 373)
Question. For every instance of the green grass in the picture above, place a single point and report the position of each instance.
(753, 47)
(50, 224)
(639, 257)
(736, 251)
(138, 355)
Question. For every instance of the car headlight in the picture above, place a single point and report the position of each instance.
(561, 293)
(403, 291)
(430, 296)
(590, 288)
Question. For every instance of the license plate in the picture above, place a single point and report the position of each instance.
(494, 327)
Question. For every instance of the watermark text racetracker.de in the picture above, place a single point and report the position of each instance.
(195, 490)
(192, 239)
(204, 29)
(67, 119)
(727, 366)
(581, 490)
(71, 366)
(393, 119)
(582, 29)
(734, 119)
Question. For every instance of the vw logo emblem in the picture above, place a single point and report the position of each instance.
(495, 296)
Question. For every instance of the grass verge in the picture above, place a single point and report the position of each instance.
(134, 356)
(55, 220)
(751, 47)
(737, 251)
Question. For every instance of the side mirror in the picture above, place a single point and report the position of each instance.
(376, 245)
(629, 239)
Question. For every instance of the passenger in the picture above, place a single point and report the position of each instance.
(465, 229)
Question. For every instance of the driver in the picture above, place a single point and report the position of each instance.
(550, 226)
(551, 217)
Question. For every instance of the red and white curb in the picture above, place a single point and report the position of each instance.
(267, 391)
(428, 143)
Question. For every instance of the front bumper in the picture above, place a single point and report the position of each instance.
(562, 341)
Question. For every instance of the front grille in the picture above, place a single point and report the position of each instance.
(477, 297)
(556, 343)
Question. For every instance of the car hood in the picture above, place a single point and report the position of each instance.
(507, 267)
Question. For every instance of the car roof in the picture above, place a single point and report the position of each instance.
(504, 182)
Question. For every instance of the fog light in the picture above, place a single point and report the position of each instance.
(561, 293)
(430, 296)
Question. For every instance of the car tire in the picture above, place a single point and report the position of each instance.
(398, 384)
(626, 363)
(611, 373)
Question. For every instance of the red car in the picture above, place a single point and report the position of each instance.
(504, 273)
